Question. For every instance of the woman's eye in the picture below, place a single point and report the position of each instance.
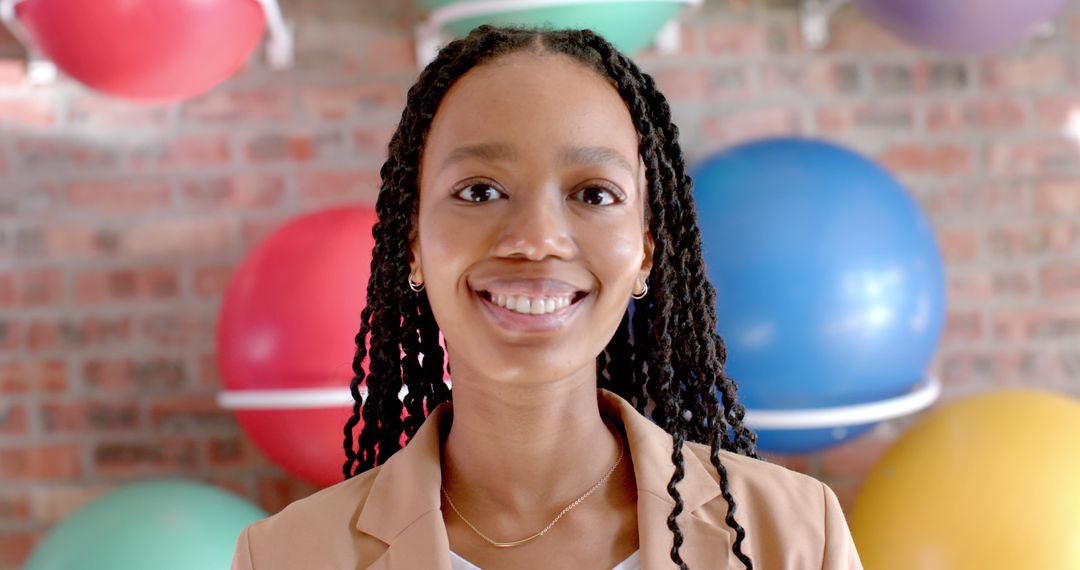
(478, 193)
(596, 196)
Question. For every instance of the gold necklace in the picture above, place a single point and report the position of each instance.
(498, 544)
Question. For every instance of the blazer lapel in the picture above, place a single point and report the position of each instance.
(403, 507)
(705, 545)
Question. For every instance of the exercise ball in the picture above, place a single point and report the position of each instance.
(287, 326)
(990, 481)
(630, 26)
(165, 525)
(961, 26)
(155, 50)
(829, 282)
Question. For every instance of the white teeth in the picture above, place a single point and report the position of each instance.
(528, 305)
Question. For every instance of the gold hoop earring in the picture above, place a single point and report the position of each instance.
(416, 287)
(644, 291)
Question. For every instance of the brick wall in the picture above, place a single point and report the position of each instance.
(120, 223)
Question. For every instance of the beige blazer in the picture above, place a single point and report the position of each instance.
(390, 518)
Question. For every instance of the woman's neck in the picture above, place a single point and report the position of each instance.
(515, 450)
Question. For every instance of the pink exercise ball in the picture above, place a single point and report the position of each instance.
(287, 325)
(158, 50)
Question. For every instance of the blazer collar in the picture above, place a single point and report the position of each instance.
(403, 506)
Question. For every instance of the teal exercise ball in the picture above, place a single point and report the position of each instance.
(630, 26)
(159, 525)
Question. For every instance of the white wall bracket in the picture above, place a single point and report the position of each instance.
(814, 20)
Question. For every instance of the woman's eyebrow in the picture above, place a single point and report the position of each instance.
(594, 155)
(484, 151)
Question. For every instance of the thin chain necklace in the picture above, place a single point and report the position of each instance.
(510, 544)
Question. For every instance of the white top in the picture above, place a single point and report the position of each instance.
(631, 563)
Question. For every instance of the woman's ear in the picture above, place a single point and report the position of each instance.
(416, 272)
(647, 254)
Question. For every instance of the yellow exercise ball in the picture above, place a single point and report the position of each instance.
(987, 482)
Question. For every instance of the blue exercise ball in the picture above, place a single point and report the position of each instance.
(830, 285)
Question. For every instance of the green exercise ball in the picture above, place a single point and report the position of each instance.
(630, 26)
(163, 525)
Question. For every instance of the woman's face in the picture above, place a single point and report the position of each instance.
(531, 233)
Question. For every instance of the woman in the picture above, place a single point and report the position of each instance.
(534, 186)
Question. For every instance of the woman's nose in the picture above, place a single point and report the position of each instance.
(536, 227)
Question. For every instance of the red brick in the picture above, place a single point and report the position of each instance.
(920, 77)
(681, 85)
(941, 159)
(78, 332)
(36, 112)
(176, 236)
(33, 377)
(209, 374)
(970, 287)
(861, 36)
(16, 545)
(51, 505)
(13, 420)
(736, 39)
(160, 456)
(49, 154)
(395, 54)
(142, 375)
(812, 77)
(687, 47)
(171, 329)
(985, 114)
(966, 368)
(7, 290)
(336, 103)
(855, 458)
(89, 417)
(1055, 112)
(1012, 283)
(968, 197)
(275, 493)
(1060, 281)
(98, 286)
(28, 199)
(11, 335)
(40, 462)
(190, 414)
(890, 116)
(1020, 240)
(254, 231)
(118, 196)
(297, 146)
(1058, 197)
(372, 142)
(234, 192)
(12, 72)
(41, 287)
(14, 508)
(220, 106)
(212, 280)
(190, 150)
(339, 186)
(958, 244)
(1041, 323)
(93, 110)
(963, 326)
(1033, 158)
(720, 132)
(1024, 73)
(233, 451)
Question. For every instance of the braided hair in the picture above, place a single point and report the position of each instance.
(684, 390)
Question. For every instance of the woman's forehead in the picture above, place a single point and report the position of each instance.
(529, 102)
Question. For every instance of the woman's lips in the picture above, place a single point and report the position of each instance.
(521, 322)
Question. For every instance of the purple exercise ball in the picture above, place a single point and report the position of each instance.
(961, 26)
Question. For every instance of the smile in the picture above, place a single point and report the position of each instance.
(527, 313)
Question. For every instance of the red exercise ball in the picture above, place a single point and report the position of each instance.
(157, 50)
(287, 327)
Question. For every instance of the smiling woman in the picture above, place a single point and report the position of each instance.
(534, 187)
